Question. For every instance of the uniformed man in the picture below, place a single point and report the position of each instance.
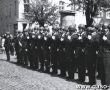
(46, 49)
(69, 52)
(25, 47)
(106, 55)
(8, 45)
(61, 53)
(54, 50)
(33, 51)
(100, 64)
(39, 44)
(79, 52)
(105, 52)
(90, 54)
(18, 46)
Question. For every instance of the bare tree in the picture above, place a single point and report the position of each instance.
(43, 12)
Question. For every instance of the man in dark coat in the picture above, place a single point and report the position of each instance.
(33, 51)
(69, 51)
(39, 44)
(46, 49)
(106, 57)
(54, 50)
(90, 54)
(79, 52)
(8, 45)
(61, 53)
(25, 47)
(18, 46)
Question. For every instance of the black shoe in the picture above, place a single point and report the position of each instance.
(92, 83)
(62, 75)
(47, 71)
(8, 59)
(81, 80)
(42, 70)
(98, 77)
(70, 77)
(54, 73)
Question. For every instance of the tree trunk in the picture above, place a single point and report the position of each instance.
(89, 19)
(91, 10)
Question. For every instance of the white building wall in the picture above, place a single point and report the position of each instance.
(7, 15)
(11, 14)
(21, 9)
(79, 15)
(80, 18)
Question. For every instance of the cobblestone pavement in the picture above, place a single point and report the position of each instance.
(13, 77)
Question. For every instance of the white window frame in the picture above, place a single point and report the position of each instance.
(108, 15)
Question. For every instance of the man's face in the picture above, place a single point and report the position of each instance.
(80, 29)
(8, 36)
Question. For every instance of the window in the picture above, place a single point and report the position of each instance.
(15, 8)
(100, 14)
(15, 27)
(26, 1)
(61, 8)
(26, 5)
(108, 15)
(26, 8)
(10, 10)
(61, 5)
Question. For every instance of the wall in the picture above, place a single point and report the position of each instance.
(8, 15)
(11, 16)
(79, 15)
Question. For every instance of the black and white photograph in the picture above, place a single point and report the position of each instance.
(54, 44)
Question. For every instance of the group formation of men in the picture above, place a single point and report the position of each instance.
(68, 50)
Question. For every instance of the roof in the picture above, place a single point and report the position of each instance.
(67, 12)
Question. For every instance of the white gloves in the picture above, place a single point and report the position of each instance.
(104, 38)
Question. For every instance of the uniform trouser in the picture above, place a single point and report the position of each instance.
(92, 72)
(25, 58)
(91, 67)
(90, 60)
(62, 63)
(100, 70)
(41, 59)
(106, 60)
(47, 60)
(7, 53)
(12, 50)
(54, 61)
(19, 55)
(70, 66)
(81, 67)
(33, 58)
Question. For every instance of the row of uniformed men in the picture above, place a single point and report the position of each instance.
(68, 50)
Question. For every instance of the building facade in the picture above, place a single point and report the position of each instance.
(64, 6)
(103, 17)
(12, 15)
